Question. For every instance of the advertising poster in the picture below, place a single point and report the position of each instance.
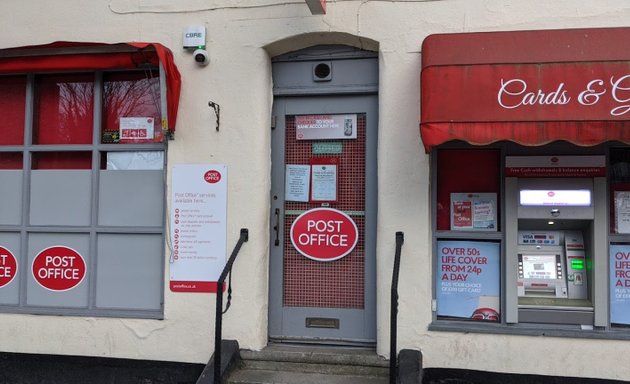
(198, 226)
(473, 211)
(322, 127)
(620, 283)
(468, 280)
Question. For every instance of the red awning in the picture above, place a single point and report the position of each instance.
(76, 56)
(529, 87)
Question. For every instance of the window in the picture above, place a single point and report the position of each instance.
(532, 240)
(468, 268)
(82, 184)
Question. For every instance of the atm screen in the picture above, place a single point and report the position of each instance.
(567, 197)
(539, 266)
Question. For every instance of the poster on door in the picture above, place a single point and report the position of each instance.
(324, 179)
(297, 182)
(620, 284)
(323, 127)
(468, 280)
(198, 226)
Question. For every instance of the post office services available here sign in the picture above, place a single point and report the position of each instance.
(198, 233)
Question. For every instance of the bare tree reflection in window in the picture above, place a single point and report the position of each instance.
(64, 110)
(75, 109)
(131, 94)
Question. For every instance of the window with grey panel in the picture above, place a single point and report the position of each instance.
(83, 192)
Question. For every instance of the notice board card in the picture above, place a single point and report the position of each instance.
(198, 226)
(468, 280)
(324, 179)
(473, 211)
(622, 212)
(136, 129)
(297, 181)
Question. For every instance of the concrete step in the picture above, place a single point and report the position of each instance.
(257, 376)
(288, 363)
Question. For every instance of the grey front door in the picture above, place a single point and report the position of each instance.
(310, 300)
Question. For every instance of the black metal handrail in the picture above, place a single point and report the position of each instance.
(393, 366)
(218, 321)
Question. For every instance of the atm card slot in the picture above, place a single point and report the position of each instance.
(551, 292)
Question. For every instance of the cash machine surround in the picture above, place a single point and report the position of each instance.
(550, 246)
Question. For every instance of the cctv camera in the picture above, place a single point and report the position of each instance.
(201, 57)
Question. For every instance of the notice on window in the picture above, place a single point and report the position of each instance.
(198, 226)
(136, 129)
(320, 127)
(136, 160)
(473, 211)
(468, 280)
(620, 283)
(622, 212)
(297, 182)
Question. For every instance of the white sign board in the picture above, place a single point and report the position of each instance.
(136, 129)
(198, 226)
(323, 127)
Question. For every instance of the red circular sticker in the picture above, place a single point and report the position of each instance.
(212, 176)
(8, 267)
(324, 234)
(58, 268)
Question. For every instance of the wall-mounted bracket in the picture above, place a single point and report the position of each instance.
(217, 112)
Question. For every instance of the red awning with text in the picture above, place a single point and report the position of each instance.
(78, 56)
(529, 87)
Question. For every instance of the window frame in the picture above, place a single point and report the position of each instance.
(610, 331)
(92, 231)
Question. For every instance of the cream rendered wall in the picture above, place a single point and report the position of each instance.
(242, 35)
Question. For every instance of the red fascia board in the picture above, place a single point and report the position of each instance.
(522, 47)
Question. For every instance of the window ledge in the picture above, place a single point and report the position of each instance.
(571, 331)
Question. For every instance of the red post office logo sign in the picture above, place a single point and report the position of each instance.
(59, 268)
(8, 267)
(212, 176)
(324, 234)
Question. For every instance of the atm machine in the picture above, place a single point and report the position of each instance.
(552, 264)
(552, 249)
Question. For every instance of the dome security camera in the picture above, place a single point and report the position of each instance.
(201, 57)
